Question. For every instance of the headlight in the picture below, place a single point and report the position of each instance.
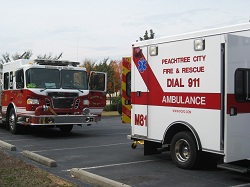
(33, 101)
(85, 102)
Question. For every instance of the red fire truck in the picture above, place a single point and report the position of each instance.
(49, 93)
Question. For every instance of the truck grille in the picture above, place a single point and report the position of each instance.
(62, 99)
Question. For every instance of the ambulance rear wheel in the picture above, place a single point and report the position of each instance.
(12, 122)
(66, 128)
(184, 150)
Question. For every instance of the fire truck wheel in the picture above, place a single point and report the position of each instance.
(184, 150)
(7, 126)
(12, 124)
(66, 128)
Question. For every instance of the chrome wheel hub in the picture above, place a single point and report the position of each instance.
(12, 121)
(182, 150)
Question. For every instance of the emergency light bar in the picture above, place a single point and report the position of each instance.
(56, 62)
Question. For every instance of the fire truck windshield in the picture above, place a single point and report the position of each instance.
(74, 79)
(55, 79)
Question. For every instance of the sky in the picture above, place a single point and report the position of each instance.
(99, 29)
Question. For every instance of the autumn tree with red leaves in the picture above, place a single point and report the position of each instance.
(116, 81)
(113, 70)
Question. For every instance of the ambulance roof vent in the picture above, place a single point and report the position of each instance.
(56, 62)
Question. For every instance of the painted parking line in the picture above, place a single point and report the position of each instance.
(20, 140)
(120, 164)
(3, 133)
(108, 134)
(112, 165)
(85, 147)
(28, 139)
(242, 185)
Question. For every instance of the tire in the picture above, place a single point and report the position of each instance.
(6, 125)
(66, 128)
(12, 122)
(184, 150)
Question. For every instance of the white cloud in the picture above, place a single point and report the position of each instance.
(99, 29)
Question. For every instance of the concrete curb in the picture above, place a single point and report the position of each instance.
(7, 146)
(95, 179)
(38, 158)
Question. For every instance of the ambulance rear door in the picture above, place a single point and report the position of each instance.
(237, 87)
(139, 92)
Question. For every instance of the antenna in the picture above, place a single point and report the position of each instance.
(59, 56)
(22, 55)
(77, 49)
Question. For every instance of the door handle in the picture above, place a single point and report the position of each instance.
(233, 111)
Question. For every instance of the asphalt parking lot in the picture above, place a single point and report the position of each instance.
(104, 150)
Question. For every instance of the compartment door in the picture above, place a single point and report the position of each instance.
(237, 89)
(139, 92)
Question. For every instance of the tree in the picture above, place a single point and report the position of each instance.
(152, 34)
(25, 55)
(113, 70)
(117, 67)
(6, 58)
(89, 65)
(16, 56)
(108, 68)
(146, 37)
(49, 56)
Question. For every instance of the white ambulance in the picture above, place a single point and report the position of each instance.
(191, 93)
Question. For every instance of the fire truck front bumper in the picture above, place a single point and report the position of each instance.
(58, 120)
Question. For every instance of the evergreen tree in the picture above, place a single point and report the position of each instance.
(146, 37)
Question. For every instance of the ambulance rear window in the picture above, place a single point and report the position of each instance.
(242, 85)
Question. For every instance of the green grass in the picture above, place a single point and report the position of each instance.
(14, 172)
(110, 113)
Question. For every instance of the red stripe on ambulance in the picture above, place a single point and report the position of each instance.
(187, 100)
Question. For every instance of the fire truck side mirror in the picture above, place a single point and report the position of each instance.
(97, 81)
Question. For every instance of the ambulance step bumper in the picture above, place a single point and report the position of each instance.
(234, 167)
